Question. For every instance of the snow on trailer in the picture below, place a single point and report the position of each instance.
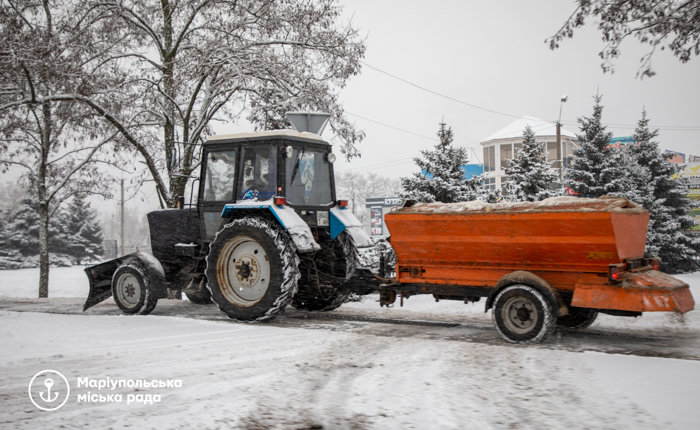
(539, 264)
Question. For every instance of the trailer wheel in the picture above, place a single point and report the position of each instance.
(131, 289)
(522, 314)
(578, 318)
(252, 269)
(317, 292)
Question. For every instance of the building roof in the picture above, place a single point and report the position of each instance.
(539, 126)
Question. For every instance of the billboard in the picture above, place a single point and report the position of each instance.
(691, 173)
(378, 207)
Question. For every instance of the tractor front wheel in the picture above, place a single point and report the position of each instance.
(131, 289)
(252, 269)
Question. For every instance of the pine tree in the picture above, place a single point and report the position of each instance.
(441, 178)
(595, 171)
(82, 234)
(667, 203)
(22, 229)
(10, 258)
(530, 176)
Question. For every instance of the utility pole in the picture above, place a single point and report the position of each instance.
(561, 154)
(122, 219)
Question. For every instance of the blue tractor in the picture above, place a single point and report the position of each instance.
(266, 231)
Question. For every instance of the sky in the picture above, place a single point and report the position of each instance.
(492, 54)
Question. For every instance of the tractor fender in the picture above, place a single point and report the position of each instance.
(343, 220)
(297, 228)
(532, 280)
(154, 270)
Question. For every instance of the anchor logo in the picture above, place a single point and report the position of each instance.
(49, 390)
(49, 383)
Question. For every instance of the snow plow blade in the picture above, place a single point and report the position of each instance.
(644, 291)
(100, 277)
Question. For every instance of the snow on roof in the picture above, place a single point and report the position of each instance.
(539, 126)
(285, 132)
(552, 204)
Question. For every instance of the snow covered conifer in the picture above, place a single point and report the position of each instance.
(22, 228)
(530, 176)
(83, 234)
(667, 203)
(594, 172)
(441, 178)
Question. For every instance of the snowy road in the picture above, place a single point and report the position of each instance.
(673, 336)
(341, 370)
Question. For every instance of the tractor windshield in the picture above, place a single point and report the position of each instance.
(308, 178)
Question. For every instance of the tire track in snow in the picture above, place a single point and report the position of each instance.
(648, 342)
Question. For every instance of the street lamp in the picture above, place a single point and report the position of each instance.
(559, 149)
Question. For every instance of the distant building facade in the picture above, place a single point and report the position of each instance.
(501, 145)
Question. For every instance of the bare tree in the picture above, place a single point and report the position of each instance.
(356, 187)
(197, 61)
(661, 24)
(52, 142)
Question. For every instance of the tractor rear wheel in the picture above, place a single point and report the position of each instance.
(522, 314)
(578, 318)
(252, 269)
(131, 289)
(322, 277)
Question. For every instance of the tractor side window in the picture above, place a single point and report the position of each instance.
(308, 178)
(220, 176)
(259, 174)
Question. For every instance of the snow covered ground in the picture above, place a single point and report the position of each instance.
(335, 373)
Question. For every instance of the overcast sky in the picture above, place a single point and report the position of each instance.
(492, 54)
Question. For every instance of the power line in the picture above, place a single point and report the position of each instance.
(392, 127)
(406, 81)
(472, 105)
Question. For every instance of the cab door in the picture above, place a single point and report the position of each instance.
(219, 173)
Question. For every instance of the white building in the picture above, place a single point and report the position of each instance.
(499, 147)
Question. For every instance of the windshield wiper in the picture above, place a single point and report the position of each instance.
(296, 166)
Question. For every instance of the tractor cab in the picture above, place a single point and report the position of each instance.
(283, 167)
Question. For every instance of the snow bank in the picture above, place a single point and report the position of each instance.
(63, 282)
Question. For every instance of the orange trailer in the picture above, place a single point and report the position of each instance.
(539, 264)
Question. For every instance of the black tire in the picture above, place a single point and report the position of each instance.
(252, 269)
(522, 314)
(327, 294)
(202, 297)
(578, 318)
(132, 290)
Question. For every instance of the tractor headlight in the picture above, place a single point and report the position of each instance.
(330, 157)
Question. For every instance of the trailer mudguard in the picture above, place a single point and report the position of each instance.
(100, 277)
(532, 280)
(287, 217)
